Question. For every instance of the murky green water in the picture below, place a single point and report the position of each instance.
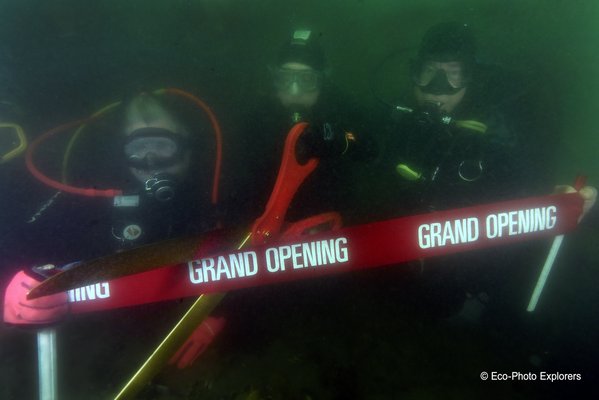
(370, 337)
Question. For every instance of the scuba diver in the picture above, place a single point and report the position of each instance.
(163, 170)
(154, 162)
(302, 91)
(466, 134)
(161, 155)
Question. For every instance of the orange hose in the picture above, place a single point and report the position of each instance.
(217, 134)
(115, 192)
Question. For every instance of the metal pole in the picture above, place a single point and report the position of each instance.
(46, 355)
(557, 242)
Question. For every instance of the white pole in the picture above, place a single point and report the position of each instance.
(557, 242)
(46, 353)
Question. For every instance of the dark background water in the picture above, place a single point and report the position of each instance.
(69, 58)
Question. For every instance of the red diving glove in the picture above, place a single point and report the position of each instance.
(20, 311)
(197, 342)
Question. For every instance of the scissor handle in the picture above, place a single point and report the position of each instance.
(291, 175)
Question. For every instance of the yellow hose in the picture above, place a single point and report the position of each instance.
(472, 125)
(22, 142)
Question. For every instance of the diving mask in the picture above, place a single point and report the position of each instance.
(440, 77)
(151, 148)
(297, 80)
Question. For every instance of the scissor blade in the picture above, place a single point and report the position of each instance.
(140, 259)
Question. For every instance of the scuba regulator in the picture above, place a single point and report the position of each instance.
(158, 150)
(441, 145)
(161, 187)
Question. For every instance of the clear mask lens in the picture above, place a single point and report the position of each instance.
(454, 75)
(300, 81)
(157, 147)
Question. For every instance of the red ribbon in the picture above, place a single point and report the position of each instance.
(377, 244)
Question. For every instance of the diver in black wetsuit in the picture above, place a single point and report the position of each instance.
(465, 134)
(468, 132)
(302, 91)
(164, 170)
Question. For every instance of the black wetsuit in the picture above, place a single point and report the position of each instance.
(460, 166)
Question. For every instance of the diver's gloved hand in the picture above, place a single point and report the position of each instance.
(199, 340)
(324, 140)
(20, 311)
(429, 114)
(588, 194)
